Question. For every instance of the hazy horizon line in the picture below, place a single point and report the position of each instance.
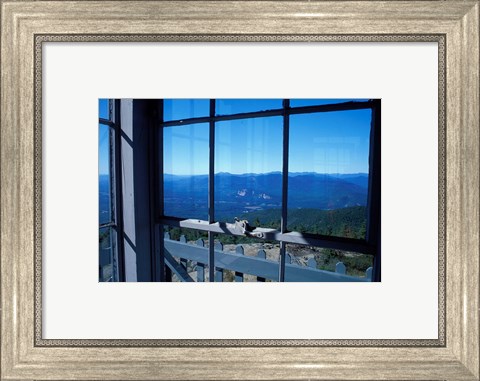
(263, 173)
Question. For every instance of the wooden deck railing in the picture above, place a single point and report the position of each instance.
(259, 266)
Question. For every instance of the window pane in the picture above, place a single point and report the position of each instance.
(104, 109)
(328, 173)
(327, 262)
(177, 109)
(237, 106)
(108, 264)
(104, 196)
(185, 178)
(317, 102)
(248, 164)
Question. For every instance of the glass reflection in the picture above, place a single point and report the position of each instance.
(104, 108)
(328, 173)
(237, 106)
(248, 164)
(318, 102)
(185, 157)
(178, 109)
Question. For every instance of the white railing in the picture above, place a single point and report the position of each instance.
(190, 259)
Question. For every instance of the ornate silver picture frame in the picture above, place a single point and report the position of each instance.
(27, 25)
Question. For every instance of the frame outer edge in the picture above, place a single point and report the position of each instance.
(13, 167)
(8, 202)
(463, 191)
(469, 348)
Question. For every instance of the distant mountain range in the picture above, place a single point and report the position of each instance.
(103, 198)
(238, 194)
(332, 204)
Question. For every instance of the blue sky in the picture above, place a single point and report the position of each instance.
(103, 111)
(329, 142)
(103, 154)
(103, 141)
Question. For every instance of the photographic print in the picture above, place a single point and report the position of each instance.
(157, 227)
(239, 190)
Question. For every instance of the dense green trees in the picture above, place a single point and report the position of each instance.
(346, 222)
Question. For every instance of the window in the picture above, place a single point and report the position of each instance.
(239, 190)
(109, 193)
(269, 190)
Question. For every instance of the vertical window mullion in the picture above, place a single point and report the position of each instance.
(374, 203)
(283, 223)
(211, 192)
(117, 141)
(113, 201)
(160, 271)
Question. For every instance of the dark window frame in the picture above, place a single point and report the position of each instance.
(116, 202)
(370, 245)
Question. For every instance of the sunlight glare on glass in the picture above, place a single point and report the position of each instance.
(185, 157)
(329, 172)
(248, 164)
(104, 173)
(104, 109)
(238, 106)
(178, 109)
(318, 102)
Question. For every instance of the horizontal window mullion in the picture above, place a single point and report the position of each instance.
(106, 122)
(347, 106)
(110, 224)
(221, 118)
(338, 243)
(328, 242)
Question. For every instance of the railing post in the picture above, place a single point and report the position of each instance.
(168, 272)
(239, 276)
(340, 268)
(288, 261)
(183, 261)
(369, 274)
(218, 271)
(261, 254)
(200, 266)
